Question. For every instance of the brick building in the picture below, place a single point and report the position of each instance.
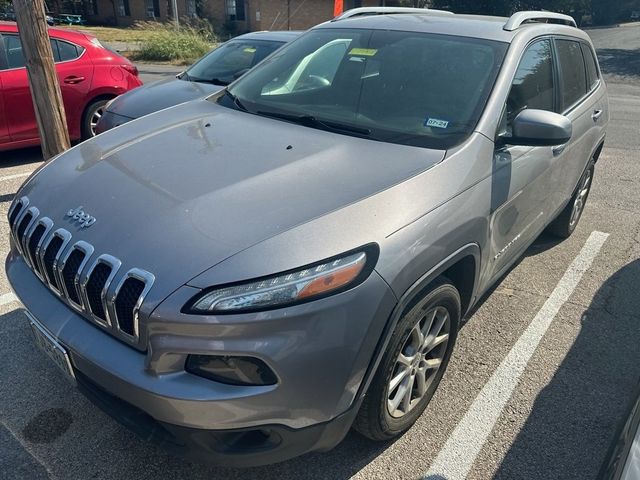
(243, 15)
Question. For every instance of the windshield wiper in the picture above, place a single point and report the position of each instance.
(218, 81)
(313, 122)
(236, 101)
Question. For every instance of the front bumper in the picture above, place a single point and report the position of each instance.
(111, 120)
(320, 352)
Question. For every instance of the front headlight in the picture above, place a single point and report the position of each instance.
(308, 283)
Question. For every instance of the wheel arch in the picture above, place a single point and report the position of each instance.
(462, 267)
(598, 150)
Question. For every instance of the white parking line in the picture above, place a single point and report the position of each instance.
(463, 445)
(7, 298)
(17, 175)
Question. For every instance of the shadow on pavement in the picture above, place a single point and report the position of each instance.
(588, 395)
(624, 63)
(22, 156)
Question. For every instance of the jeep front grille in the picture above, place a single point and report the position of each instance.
(94, 285)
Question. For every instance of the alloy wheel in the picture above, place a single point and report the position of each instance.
(418, 362)
(95, 118)
(581, 197)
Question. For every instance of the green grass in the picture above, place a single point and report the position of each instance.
(114, 34)
(170, 45)
(159, 42)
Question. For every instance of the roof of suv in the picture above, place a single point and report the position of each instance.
(276, 36)
(476, 26)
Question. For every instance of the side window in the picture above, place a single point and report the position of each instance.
(574, 81)
(68, 51)
(54, 49)
(13, 48)
(532, 85)
(592, 69)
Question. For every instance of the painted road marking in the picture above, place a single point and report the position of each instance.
(7, 298)
(17, 175)
(465, 442)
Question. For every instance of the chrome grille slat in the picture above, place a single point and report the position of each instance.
(72, 293)
(147, 279)
(66, 268)
(50, 256)
(24, 230)
(114, 264)
(16, 210)
(48, 226)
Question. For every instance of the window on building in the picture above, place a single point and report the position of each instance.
(236, 10)
(91, 7)
(191, 8)
(152, 8)
(123, 8)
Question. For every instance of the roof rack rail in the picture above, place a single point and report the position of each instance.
(519, 18)
(356, 12)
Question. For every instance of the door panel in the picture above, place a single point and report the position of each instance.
(75, 79)
(523, 177)
(4, 130)
(583, 105)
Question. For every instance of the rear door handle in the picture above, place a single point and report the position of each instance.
(73, 79)
(596, 115)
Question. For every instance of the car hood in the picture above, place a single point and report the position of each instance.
(197, 183)
(155, 96)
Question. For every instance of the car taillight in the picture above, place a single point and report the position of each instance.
(132, 69)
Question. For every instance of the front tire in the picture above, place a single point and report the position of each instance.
(413, 364)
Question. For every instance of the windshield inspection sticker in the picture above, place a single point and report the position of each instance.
(435, 122)
(249, 50)
(363, 52)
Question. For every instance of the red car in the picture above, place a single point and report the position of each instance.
(89, 76)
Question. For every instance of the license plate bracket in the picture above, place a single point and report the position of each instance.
(50, 345)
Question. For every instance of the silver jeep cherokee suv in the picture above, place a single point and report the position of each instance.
(247, 276)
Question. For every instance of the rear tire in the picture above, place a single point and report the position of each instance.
(412, 365)
(565, 224)
(90, 118)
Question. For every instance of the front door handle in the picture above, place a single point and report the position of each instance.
(73, 79)
(596, 115)
(559, 149)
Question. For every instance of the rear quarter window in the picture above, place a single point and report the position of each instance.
(67, 51)
(592, 70)
(573, 75)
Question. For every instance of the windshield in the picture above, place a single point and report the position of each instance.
(230, 60)
(400, 87)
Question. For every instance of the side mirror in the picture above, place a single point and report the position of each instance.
(538, 128)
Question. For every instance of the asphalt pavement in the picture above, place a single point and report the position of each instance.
(540, 378)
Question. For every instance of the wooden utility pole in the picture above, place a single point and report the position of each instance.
(45, 89)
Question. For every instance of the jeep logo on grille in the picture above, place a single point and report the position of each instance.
(79, 216)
